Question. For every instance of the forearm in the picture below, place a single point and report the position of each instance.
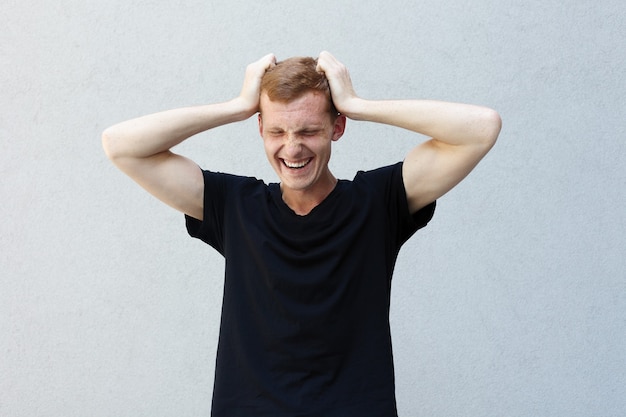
(155, 133)
(451, 123)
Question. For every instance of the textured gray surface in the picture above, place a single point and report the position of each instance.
(511, 303)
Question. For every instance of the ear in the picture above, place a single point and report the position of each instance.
(260, 119)
(339, 127)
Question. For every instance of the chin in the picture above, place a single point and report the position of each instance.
(296, 185)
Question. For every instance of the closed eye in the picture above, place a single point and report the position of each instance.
(309, 132)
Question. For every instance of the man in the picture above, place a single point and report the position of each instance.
(305, 318)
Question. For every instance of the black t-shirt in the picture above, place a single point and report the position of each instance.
(305, 315)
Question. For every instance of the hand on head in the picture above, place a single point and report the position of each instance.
(341, 88)
(251, 90)
(343, 95)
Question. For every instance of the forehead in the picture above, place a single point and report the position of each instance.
(310, 108)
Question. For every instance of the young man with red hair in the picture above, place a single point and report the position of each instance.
(305, 319)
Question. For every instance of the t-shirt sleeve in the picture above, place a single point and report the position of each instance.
(211, 228)
(386, 185)
(408, 223)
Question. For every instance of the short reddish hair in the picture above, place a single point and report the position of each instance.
(292, 78)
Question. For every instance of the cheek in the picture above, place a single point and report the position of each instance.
(323, 146)
(270, 147)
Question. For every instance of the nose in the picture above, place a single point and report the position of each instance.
(293, 144)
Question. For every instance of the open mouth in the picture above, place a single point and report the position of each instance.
(297, 164)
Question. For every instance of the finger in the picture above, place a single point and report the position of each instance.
(322, 59)
(264, 62)
(325, 55)
(259, 67)
(268, 61)
(326, 62)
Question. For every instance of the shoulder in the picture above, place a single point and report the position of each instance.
(384, 171)
(222, 191)
(387, 185)
(381, 188)
(383, 179)
(229, 183)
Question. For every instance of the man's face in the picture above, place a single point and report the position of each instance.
(297, 137)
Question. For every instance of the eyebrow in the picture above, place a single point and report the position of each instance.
(307, 129)
(310, 129)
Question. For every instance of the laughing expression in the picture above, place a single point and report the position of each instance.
(297, 137)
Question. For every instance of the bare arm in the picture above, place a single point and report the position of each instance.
(141, 147)
(461, 134)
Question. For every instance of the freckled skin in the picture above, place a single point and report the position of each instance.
(297, 137)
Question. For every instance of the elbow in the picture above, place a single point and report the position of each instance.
(492, 124)
(496, 125)
(109, 144)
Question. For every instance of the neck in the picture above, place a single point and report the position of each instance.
(302, 202)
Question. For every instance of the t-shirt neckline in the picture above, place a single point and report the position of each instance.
(277, 196)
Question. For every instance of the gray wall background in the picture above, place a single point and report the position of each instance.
(511, 303)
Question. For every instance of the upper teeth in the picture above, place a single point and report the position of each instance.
(299, 164)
